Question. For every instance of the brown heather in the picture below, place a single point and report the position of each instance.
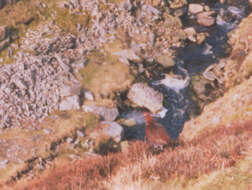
(219, 149)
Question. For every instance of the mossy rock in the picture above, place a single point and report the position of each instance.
(68, 21)
(104, 75)
(203, 91)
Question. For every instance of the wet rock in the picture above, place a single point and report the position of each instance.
(69, 103)
(144, 96)
(215, 72)
(166, 61)
(107, 114)
(191, 34)
(201, 37)
(205, 91)
(194, 8)
(206, 18)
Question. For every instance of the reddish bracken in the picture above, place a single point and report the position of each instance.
(211, 151)
(155, 132)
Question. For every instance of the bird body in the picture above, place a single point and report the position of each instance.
(155, 133)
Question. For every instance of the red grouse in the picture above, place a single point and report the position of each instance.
(155, 132)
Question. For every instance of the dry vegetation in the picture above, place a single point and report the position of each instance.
(138, 168)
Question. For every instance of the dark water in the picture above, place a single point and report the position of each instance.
(195, 58)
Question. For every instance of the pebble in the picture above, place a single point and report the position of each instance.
(206, 19)
(194, 8)
(191, 34)
(166, 61)
(88, 95)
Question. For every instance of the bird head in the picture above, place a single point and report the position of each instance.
(148, 117)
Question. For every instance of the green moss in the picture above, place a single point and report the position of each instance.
(105, 74)
(6, 58)
(115, 1)
(68, 22)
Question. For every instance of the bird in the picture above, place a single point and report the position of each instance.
(156, 133)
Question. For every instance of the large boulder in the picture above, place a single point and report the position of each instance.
(144, 96)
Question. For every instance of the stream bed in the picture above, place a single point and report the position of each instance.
(191, 60)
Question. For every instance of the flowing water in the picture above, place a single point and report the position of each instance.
(191, 60)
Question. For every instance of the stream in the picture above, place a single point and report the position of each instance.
(191, 60)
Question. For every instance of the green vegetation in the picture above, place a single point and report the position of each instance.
(68, 22)
(105, 74)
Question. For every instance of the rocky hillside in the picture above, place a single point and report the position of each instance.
(76, 76)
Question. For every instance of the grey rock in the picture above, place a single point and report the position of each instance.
(32, 87)
(80, 133)
(113, 130)
(108, 114)
(144, 96)
(69, 140)
(88, 95)
(69, 103)
(4, 163)
(126, 55)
